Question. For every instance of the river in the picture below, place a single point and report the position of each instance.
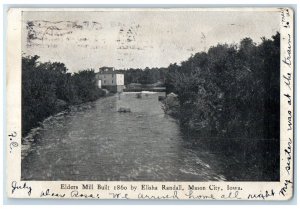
(99, 143)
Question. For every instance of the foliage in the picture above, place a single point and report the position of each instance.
(48, 88)
(144, 76)
(231, 90)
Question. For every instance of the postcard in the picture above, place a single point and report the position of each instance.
(144, 103)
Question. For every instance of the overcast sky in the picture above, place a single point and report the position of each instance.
(137, 39)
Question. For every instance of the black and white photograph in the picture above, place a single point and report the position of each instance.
(144, 96)
(156, 95)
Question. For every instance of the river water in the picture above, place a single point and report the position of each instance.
(96, 142)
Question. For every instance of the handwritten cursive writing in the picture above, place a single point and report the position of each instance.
(13, 143)
(289, 98)
(191, 195)
(284, 189)
(153, 197)
(285, 13)
(288, 59)
(262, 195)
(119, 195)
(23, 186)
(231, 195)
(290, 119)
(51, 194)
(75, 193)
(288, 154)
(287, 80)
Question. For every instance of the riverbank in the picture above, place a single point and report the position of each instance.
(195, 126)
(170, 105)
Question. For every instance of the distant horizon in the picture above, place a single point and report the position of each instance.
(135, 39)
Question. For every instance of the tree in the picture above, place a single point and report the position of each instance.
(223, 92)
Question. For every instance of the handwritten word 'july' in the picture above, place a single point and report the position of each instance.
(24, 186)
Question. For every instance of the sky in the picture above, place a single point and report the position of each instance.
(136, 39)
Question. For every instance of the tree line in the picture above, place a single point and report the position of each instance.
(230, 90)
(144, 76)
(48, 88)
